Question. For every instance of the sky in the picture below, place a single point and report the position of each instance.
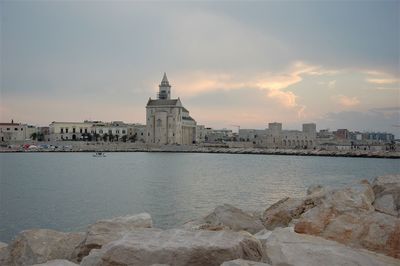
(247, 63)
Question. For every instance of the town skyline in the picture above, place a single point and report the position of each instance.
(232, 64)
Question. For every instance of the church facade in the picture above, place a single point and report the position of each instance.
(167, 121)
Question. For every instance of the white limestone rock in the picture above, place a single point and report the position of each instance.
(176, 247)
(105, 231)
(387, 193)
(241, 262)
(41, 245)
(57, 263)
(347, 216)
(283, 212)
(284, 247)
(227, 217)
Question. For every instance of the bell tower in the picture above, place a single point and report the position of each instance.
(165, 89)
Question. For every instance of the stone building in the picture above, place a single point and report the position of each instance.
(15, 131)
(93, 130)
(275, 137)
(167, 121)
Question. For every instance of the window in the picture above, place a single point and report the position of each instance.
(16, 129)
(8, 129)
(80, 130)
(66, 131)
(85, 130)
(159, 122)
(21, 129)
(62, 130)
(117, 131)
(73, 130)
(123, 131)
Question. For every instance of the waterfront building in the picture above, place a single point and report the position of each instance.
(167, 121)
(342, 134)
(15, 131)
(93, 130)
(277, 138)
(69, 130)
(201, 133)
(218, 135)
(137, 132)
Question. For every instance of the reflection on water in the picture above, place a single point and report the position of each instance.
(68, 191)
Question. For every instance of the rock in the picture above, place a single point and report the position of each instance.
(284, 247)
(41, 245)
(3, 253)
(105, 231)
(227, 217)
(263, 235)
(282, 213)
(57, 263)
(353, 224)
(314, 189)
(357, 197)
(386, 204)
(240, 262)
(176, 247)
(387, 193)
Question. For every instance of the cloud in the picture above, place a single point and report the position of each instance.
(383, 80)
(380, 78)
(346, 101)
(332, 84)
(275, 85)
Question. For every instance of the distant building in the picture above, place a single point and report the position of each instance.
(275, 137)
(342, 134)
(167, 121)
(218, 135)
(94, 131)
(15, 131)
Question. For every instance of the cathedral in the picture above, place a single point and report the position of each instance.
(167, 121)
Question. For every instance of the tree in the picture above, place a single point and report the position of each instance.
(96, 136)
(105, 137)
(40, 136)
(133, 138)
(124, 138)
(110, 137)
(34, 136)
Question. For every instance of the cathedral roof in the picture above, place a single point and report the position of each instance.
(159, 102)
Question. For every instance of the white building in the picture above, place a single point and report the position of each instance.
(167, 121)
(91, 130)
(276, 138)
(15, 131)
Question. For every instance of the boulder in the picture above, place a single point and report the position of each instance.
(285, 247)
(105, 231)
(3, 253)
(227, 217)
(41, 245)
(57, 263)
(283, 212)
(263, 235)
(348, 218)
(387, 194)
(176, 247)
(241, 262)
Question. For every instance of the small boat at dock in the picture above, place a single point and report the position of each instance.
(99, 154)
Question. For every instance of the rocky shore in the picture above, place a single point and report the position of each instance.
(134, 147)
(355, 225)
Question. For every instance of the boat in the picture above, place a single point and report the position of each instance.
(99, 154)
